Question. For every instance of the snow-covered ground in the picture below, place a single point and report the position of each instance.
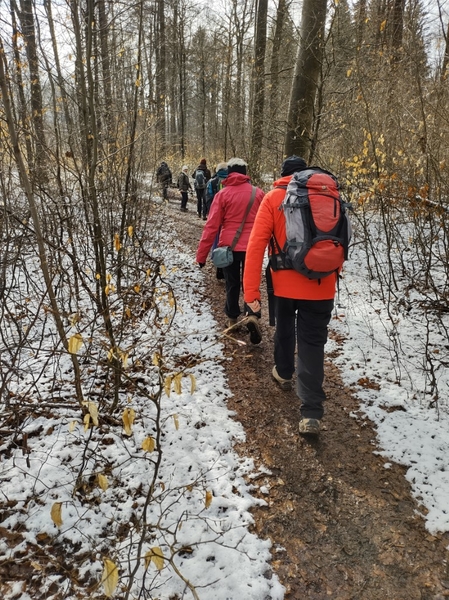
(185, 530)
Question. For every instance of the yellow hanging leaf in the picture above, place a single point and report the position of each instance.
(192, 383)
(128, 312)
(382, 25)
(177, 382)
(117, 243)
(167, 386)
(55, 514)
(208, 498)
(175, 419)
(130, 231)
(93, 412)
(148, 444)
(154, 555)
(109, 579)
(75, 343)
(124, 359)
(128, 419)
(156, 359)
(72, 426)
(98, 276)
(137, 288)
(86, 421)
(103, 482)
(348, 73)
(163, 270)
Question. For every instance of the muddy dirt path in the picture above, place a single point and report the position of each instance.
(342, 525)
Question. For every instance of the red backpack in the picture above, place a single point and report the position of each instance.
(316, 223)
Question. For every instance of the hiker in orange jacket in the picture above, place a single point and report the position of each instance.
(302, 306)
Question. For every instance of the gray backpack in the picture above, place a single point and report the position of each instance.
(200, 180)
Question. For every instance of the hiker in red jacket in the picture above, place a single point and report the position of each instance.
(303, 306)
(227, 212)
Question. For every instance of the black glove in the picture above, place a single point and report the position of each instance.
(201, 265)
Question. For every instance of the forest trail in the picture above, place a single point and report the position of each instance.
(342, 525)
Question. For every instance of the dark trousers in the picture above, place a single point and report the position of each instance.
(201, 208)
(164, 190)
(233, 278)
(303, 322)
(184, 198)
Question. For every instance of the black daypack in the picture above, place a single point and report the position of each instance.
(200, 179)
(317, 225)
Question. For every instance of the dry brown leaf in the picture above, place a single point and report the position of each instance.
(75, 343)
(56, 514)
(148, 444)
(209, 497)
(103, 482)
(128, 419)
(155, 556)
(109, 579)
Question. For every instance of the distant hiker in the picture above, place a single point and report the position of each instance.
(214, 185)
(164, 177)
(229, 211)
(184, 186)
(302, 305)
(201, 176)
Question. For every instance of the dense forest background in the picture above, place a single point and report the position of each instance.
(95, 94)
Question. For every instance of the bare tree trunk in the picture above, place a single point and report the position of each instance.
(161, 84)
(274, 67)
(259, 87)
(446, 56)
(397, 27)
(20, 85)
(106, 70)
(28, 30)
(305, 81)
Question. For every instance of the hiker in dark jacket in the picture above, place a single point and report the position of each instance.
(215, 184)
(164, 177)
(201, 176)
(184, 186)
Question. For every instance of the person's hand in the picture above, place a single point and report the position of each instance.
(254, 306)
(201, 265)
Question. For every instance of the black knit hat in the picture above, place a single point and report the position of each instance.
(292, 164)
(237, 165)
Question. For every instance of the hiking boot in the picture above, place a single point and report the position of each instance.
(255, 333)
(232, 322)
(309, 427)
(284, 384)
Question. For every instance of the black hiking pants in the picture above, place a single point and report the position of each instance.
(233, 276)
(201, 202)
(303, 323)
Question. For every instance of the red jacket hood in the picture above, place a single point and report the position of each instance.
(236, 179)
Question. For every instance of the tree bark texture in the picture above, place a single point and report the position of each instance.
(305, 80)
